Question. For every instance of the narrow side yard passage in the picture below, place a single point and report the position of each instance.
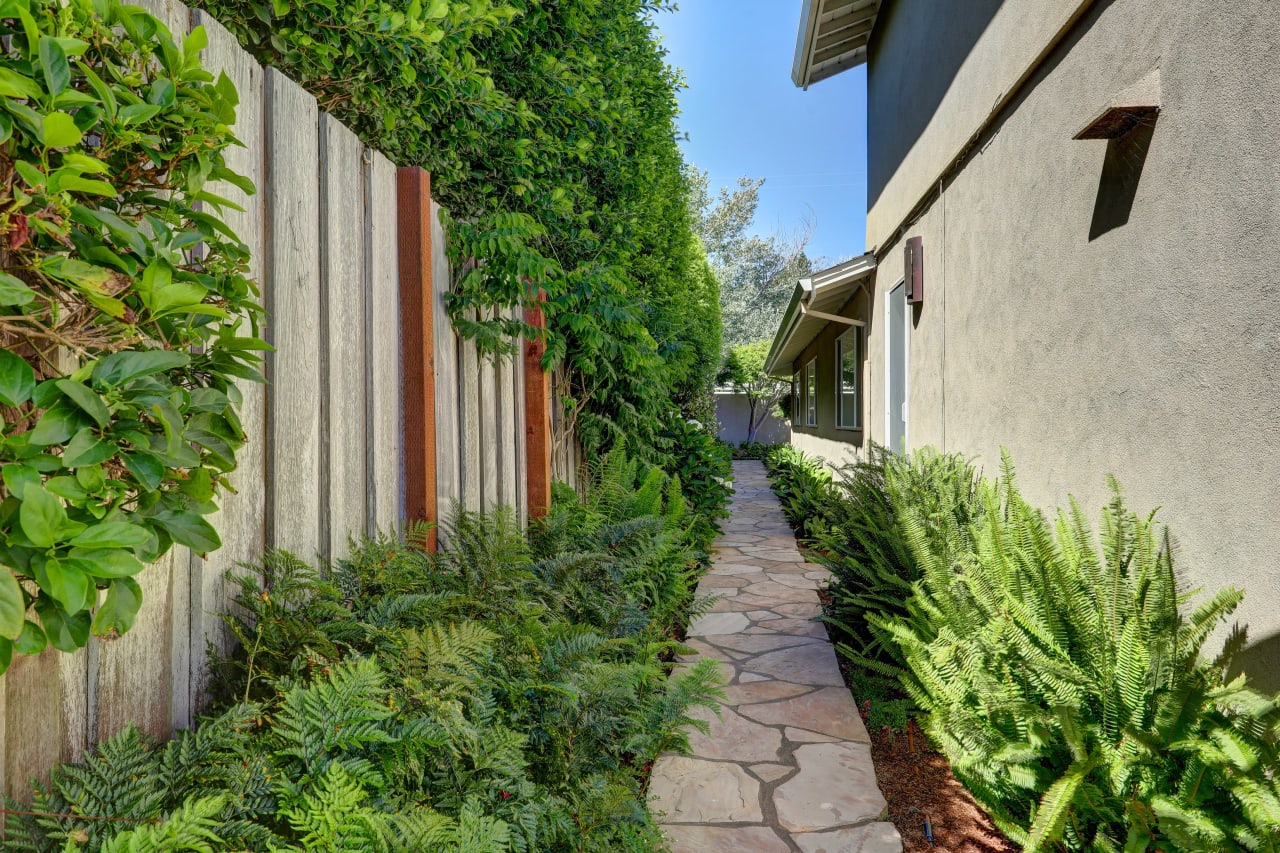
(787, 767)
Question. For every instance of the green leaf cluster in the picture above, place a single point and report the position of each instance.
(125, 312)
(549, 129)
(505, 695)
(743, 371)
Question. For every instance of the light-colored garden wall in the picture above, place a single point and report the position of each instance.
(732, 413)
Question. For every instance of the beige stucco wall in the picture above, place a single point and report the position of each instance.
(927, 95)
(836, 454)
(1151, 351)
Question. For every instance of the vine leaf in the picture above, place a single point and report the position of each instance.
(32, 640)
(88, 401)
(14, 291)
(13, 607)
(42, 516)
(66, 633)
(53, 62)
(58, 130)
(189, 529)
(65, 582)
(117, 613)
(17, 379)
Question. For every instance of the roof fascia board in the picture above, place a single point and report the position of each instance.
(806, 37)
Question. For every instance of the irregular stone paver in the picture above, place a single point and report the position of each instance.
(880, 837)
(836, 786)
(735, 738)
(811, 663)
(693, 791)
(825, 711)
(752, 693)
(786, 767)
(719, 623)
(716, 839)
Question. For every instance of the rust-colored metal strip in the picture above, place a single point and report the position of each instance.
(417, 347)
(537, 420)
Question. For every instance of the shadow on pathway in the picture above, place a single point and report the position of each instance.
(787, 767)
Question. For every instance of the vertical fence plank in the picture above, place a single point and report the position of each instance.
(293, 299)
(418, 352)
(32, 721)
(537, 419)
(386, 454)
(448, 397)
(241, 519)
(490, 446)
(518, 406)
(469, 416)
(343, 345)
(505, 374)
(135, 680)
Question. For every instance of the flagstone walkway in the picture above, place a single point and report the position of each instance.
(787, 767)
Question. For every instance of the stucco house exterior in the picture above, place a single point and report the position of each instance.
(1073, 227)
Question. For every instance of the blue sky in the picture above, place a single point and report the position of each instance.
(744, 116)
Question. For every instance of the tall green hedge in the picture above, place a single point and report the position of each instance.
(549, 130)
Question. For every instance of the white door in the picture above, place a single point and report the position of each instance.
(897, 329)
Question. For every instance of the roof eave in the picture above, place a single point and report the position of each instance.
(832, 37)
(807, 290)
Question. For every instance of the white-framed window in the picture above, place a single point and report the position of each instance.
(848, 373)
(795, 397)
(811, 393)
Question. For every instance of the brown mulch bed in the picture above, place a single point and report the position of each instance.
(920, 783)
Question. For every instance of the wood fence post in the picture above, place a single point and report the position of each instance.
(537, 417)
(417, 346)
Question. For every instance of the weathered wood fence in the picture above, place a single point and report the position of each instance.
(375, 412)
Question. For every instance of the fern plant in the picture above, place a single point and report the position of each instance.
(503, 695)
(866, 549)
(1066, 685)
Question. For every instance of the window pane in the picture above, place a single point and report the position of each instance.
(811, 393)
(847, 353)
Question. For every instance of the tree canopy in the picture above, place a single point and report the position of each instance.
(756, 274)
(743, 371)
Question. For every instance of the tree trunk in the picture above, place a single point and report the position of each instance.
(751, 421)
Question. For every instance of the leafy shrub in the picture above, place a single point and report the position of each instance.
(700, 462)
(549, 130)
(125, 303)
(1067, 688)
(500, 696)
(810, 499)
(751, 449)
(643, 541)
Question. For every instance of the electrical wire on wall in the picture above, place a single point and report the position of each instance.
(942, 279)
